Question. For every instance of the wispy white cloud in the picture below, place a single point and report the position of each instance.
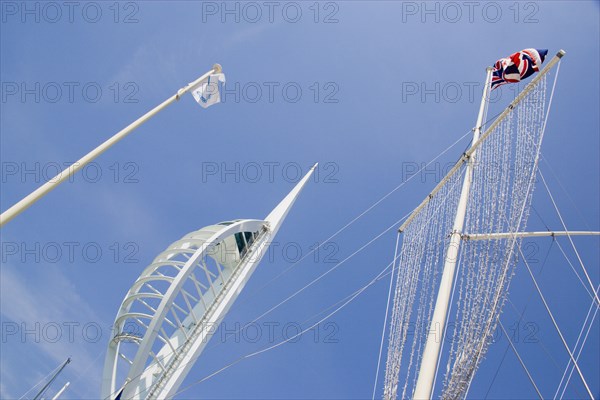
(45, 303)
(4, 393)
(166, 58)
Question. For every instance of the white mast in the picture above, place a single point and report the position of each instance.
(47, 385)
(424, 386)
(62, 176)
(61, 391)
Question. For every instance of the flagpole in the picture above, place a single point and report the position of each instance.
(429, 361)
(37, 194)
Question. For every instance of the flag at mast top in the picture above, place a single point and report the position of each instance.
(517, 66)
(208, 91)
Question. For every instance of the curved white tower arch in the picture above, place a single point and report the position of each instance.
(174, 307)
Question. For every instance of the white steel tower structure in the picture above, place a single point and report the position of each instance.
(171, 311)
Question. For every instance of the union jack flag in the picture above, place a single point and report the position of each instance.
(517, 66)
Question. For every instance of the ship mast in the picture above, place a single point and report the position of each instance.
(434, 341)
(426, 376)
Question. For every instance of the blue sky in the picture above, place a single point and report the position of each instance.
(341, 75)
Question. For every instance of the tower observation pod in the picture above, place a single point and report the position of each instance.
(171, 311)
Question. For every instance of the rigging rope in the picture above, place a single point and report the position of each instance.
(576, 273)
(520, 314)
(387, 309)
(573, 204)
(521, 361)
(562, 338)
(366, 211)
(580, 349)
(351, 298)
(570, 240)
